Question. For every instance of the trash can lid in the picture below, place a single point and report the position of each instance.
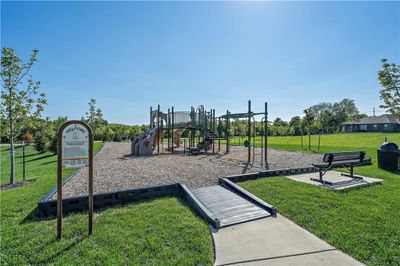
(389, 146)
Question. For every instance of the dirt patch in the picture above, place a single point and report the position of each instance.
(17, 184)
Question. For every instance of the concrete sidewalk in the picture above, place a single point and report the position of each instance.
(274, 241)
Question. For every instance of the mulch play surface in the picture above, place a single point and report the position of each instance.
(115, 169)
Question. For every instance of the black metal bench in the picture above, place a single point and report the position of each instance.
(341, 159)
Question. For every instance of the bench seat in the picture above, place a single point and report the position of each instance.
(344, 163)
(343, 159)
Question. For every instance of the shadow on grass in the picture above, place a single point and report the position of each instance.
(59, 253)
(185, 203)
(49, 162)
(44, 163)
(34, 216)
(40, 158)
(28, 155)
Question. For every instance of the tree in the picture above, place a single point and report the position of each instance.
(330, 116)
(44, 135)
(239, 127)
(341, 111)
(279, 122)
(309, 121)
(94, 117)
(321, 112)
(295, 123)
(356, 117)
(19, 106)
(389, 77)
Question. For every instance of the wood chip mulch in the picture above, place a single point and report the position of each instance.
(115, 169)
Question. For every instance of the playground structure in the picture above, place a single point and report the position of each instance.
(205, 132)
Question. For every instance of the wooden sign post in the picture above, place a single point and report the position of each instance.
(74, 149)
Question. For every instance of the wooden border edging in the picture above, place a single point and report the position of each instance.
(247, 195)
(198, 207)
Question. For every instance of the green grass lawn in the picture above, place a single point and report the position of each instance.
(364, 222)
(157, 232)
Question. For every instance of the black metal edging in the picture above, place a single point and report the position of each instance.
(247, 195)
(106, 199)
(279, 172)
(269, 173)
(54, 190)
(198, 207)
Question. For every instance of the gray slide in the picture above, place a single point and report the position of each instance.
(144, 144)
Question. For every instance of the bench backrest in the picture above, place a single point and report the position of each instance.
(344, 156)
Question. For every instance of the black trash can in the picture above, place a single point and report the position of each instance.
(389, 157)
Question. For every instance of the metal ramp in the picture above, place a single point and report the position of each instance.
(228, 206)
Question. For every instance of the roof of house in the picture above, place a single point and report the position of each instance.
(381, 119)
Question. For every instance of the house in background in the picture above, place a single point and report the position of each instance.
(382, 123)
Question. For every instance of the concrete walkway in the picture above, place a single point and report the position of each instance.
(274, 241)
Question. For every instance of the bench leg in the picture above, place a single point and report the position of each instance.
(351, 174)
(320, 180)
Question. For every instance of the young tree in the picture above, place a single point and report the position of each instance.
(94, 117)
(389, 77)
(19, 105)
(309, 121)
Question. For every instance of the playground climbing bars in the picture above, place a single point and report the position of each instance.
(206, 127)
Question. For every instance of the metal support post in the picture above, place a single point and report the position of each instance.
(158, 128)
(151, 117)
(172, 129)
(249, 132)
(266, 136)
(168, 129)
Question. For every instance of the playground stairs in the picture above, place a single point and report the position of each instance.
(210, 134)
(209, 137)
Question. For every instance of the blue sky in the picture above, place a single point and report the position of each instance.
(130, 55)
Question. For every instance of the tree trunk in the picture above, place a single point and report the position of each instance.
(12, 166)
(309, 140)
(319, 139)
(301, 140)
